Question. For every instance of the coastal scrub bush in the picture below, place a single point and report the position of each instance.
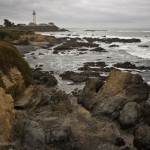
(9, 35)
(12, 33)
(10, 57)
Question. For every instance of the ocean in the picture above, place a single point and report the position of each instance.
(136, 53)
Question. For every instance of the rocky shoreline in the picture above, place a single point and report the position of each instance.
(110, 112)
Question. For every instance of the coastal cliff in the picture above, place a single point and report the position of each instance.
(36, 114)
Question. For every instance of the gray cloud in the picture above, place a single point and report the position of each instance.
(79, 13)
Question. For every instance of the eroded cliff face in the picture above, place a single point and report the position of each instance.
(16, 86)
(13, 82)
(7, 119)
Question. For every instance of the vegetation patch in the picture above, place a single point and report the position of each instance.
(12, 33)
(10, 57)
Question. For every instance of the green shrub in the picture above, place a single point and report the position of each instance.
(8, 34)
(10, 57)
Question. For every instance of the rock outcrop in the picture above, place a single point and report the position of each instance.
(121, 89)
(7, 120)
(130, 114)
(14, 82)
(29, 99)
(142, 137)
(123, 99)
(90, 90)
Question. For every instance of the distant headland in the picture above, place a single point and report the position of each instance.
(33, 26)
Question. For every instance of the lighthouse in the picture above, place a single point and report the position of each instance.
(34, 17)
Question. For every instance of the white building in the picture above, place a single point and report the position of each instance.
(34, 17)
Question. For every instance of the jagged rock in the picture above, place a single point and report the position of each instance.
(99, 49)
(128, 65)
(142, 137)
(44, 78)
(22, 41)
(58, 135)
(79, 77)
(89, 91)
(111, 40)
(129, 114)
(120, 88)
(109, 110)
(30, 98)
(145, 113)
(114, 45)
(55, 52)
(60, 102)
(74, 44)
(29, 133)
(14, 82)
(120, 85)
(120, 142)
(7, 119)
(89, 134)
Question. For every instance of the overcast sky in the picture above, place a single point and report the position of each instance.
(79, 13)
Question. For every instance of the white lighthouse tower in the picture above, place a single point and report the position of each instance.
(34, 17)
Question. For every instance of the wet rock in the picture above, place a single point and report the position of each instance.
(142, 137)
(114, 45)
(44, 78)
(75, 77)
(80, 77)
(41, 54)
(99, 49)
(50, 45)
(144, 46)
(32, 54)
(83, 49)
(129, 115)
(128, 65)
(34, 57)
(81, 53)
(30, 134)
(119, 142)
(111, 40)
(74, 44)
(55, 52)
(98, 67)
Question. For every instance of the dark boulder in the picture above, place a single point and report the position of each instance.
(120, 88)
(129, 115)
(98, 49)
(58, 135)
(74, 44)
(60, 102)
(44, 78)
(142, 137)
(114, 45)
(128, 65)
(119, 142)
(89, 91)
